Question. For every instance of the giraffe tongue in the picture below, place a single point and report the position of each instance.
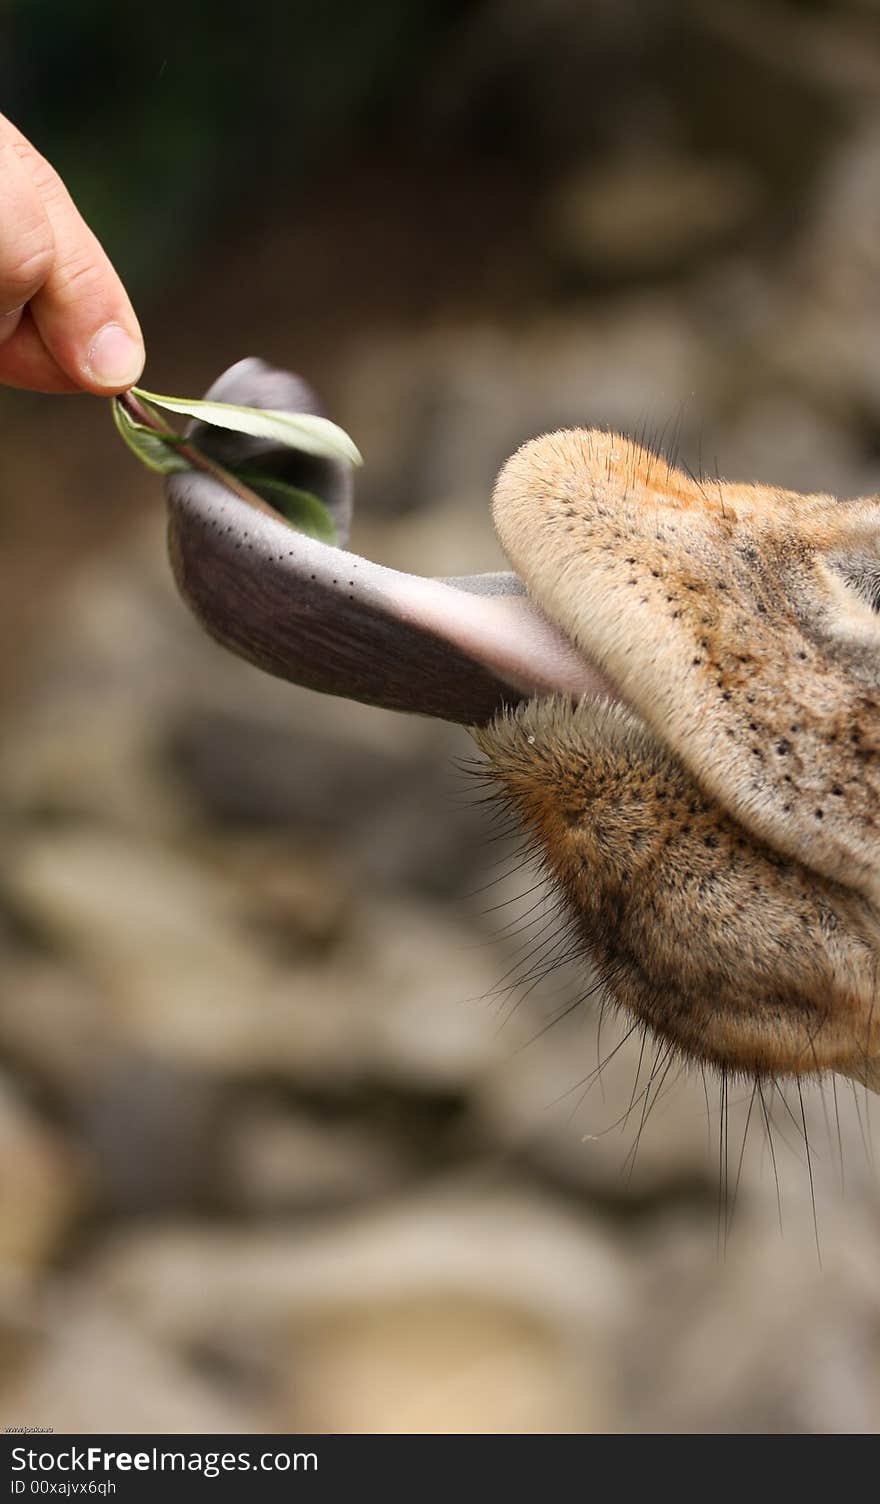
(325, 618)
(494, 622)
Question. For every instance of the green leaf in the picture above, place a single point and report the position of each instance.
(301, 509)
(158, 448)
(303, 431)
(152, 449)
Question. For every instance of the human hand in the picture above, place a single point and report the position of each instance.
(66, 323)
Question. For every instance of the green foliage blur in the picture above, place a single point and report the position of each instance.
(165, 123)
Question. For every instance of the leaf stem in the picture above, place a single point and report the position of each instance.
(193, 456)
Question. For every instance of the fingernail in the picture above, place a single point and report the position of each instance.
(115, 359)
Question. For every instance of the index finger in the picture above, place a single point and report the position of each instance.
(27, 245)
(81, 310)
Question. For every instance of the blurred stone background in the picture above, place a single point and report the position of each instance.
(300, 1120)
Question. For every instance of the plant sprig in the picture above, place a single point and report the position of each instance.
(162, 448)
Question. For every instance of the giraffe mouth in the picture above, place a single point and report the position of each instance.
(466, 649)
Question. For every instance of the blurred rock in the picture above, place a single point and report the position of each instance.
(152, 1129)
(42, 1186)
(130, 1385)
(826, 333)
(793, 1351)
(473, 1308)
(636, 365)
(162, 939)
(840, 255)
(279, 1161)
(355, 802)
(53, 1023)
(294, 900)
(645, 217)
(785, 441)
(63, 765)
(440, 1365)
(151, 929)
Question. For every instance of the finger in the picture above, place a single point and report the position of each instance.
(81, 309)
(9, 322)
(26, 241)
(25, 362)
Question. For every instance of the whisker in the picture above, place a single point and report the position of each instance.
(839, 1136)
(663, 1053)
(638, 1073)
(569, 1008)
(742, 1153)
(810, 1172)
(769, 1137)
(587, 1081)
(723, 1182)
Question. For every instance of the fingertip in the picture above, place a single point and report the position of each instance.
(115, 359)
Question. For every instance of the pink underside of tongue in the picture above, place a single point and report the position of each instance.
(507, 634)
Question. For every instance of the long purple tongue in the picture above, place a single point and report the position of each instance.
(332, 621)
